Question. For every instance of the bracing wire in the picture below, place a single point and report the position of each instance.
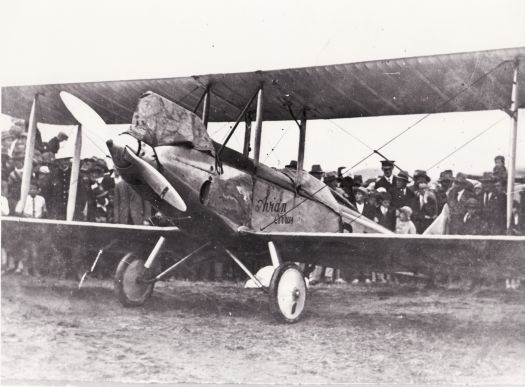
(483, 76)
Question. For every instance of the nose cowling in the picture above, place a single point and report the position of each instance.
(127, 154)
(117, 149)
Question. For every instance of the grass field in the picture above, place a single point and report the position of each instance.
(219, 332)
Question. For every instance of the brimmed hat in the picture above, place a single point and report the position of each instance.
(419, 173)
(316, 168)
(403, 175)
(347, 182)
(329, 177)
(446, 175)
(101, 164)
(363, 190)
(499, 157)
(461, 178)
(487, 177)
(358, 179)
(385, 196)
(293, 164)
(471, 203)
(387, 163)
(63, 135)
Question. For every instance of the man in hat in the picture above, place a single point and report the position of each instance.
(471, 223)
(53, 145)
(347, 185)
(317, 171)
(386, 214)
(446, 178)
(403, 196)
(457, 198)
(424, 208)
(388, 181)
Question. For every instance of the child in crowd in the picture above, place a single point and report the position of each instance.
(499, 171)
(404, 225)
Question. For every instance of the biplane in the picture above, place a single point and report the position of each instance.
(230, 201)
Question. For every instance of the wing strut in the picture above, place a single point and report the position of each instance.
(513, 140)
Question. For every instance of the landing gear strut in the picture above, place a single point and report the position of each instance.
(287, 290)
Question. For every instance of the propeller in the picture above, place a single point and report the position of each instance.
(156, 181)
(125, 146)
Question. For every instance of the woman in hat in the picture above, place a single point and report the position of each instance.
(361, 203)
(385, 214)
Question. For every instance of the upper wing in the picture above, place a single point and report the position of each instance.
(472, 256)
(427, 84)
(85, 234)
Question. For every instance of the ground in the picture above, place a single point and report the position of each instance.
(219, 332)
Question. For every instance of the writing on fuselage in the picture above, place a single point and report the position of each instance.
(275, 208)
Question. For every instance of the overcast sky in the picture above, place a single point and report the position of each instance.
(72, 41)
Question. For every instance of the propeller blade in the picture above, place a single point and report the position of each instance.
(157, 182)
(82, 112)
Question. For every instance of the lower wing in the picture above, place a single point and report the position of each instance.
(468, 256)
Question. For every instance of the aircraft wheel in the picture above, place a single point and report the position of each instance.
(129, 289)
(287, 293)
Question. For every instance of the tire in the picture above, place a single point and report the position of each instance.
(288, 293)
(128, 291)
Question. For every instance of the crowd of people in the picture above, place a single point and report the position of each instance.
(410, 204)
(399, 202)
(102, 196)
(404, 204)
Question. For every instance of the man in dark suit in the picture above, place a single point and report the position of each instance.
(457, 198)
(388, 181)
(500, 221)
(471, 223)
(424, 207)
(488, 202)
(403, 196)
(446, 178)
